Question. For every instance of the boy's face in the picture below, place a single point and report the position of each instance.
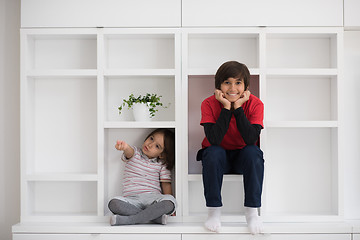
(154, 146)
(232, 89)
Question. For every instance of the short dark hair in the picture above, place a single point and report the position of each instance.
(169, 146)
(232, 69)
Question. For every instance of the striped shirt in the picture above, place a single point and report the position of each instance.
(143, 175)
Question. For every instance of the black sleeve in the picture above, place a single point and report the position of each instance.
(249, 132)
(215, 132)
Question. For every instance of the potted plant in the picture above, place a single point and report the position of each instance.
(144, 107)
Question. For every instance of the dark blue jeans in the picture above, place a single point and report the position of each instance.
(248, 161)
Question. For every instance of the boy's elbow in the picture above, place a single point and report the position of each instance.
(251, 141)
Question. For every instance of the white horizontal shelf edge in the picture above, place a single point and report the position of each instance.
(141, 31)
(227, 178)
(306, 31)
(62, 73)
(302, 71)
(139, 72)
(251, 31)
(60, 31)
(301, 124)
(209, 71)
(174, 227)
(133, 124)
(61, 177)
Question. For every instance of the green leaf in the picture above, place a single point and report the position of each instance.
(153, 101)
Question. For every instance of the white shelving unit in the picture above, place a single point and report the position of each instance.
(72, 82)
(297, 74)
(58, 125)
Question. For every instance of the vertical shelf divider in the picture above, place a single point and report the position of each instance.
(100, 122)
(184, 124)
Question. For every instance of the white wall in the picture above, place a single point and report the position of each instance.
(9, 116)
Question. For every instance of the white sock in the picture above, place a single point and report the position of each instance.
(113, 220)
(253, 220)
(213, 222)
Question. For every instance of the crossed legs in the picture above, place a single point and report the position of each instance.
(126, 213)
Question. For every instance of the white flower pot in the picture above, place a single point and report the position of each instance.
(141, 112)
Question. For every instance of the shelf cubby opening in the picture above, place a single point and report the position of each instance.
(301, 51)
(301, 98)
(233, 198)
(61, 129)
(62, 52)
(140, 51)
(199, 88)
(114, 166)
(62, 198)
(301, 166)
(115, 92)
(219, 48)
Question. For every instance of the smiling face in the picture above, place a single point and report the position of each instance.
(154, 146)
(232, 88)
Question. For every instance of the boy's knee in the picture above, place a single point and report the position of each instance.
(253, 154)
(214, 152)
(213, 155)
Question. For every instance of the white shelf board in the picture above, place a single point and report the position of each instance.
(356, 226)
(302, 71)
(227, 178)
(209, 71)
(84, 218)
(62, 73)
(246, 31)
(301, 124)
(115, 32)
(61, 177)
(59, 32)
(174, 227)
(204, 71)
(139, 72)
(133, 124)
(303, 31)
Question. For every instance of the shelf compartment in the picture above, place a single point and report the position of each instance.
(221, 47)
(302, 167)
(61, 125)
(301, 98)
(140, 51)
(114, 166)
(233, 198)
(115, 92)
(62, 51)
(52, 198)
(301, 50)
(199, 88)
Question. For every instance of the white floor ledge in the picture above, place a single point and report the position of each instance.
(183, 228)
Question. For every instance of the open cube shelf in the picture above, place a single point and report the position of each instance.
(74, 80)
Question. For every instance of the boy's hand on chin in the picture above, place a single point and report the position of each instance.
(220, 96)
(243, 98)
